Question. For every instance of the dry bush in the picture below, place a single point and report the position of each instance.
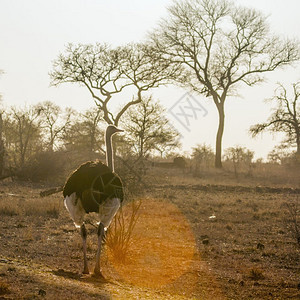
(4, 289)
(292, 218)
(30, 206)
(8, 208)
(120, 231)
(42, 207)
(256, 273)
(43, 166)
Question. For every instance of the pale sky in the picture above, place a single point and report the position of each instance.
(34, 32)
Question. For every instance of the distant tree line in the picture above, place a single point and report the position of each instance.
(36, 137)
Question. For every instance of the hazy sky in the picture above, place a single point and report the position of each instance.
(34, 32)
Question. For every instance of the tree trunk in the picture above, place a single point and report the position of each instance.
(218, 157)
(298, 149)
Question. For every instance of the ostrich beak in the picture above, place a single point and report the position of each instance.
(119, 130)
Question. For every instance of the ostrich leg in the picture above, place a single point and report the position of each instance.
(100, 234)
(84, 235)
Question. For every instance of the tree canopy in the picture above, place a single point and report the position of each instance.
(107, 71)
(285, 117)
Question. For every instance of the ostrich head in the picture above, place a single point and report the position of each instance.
(110, 131)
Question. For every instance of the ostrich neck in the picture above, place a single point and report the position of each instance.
(109, 152)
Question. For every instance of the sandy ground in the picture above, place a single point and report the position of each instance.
(186, 244)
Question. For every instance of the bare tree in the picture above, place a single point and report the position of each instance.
(239, 155)
(51, 121)
(220, 45)
(147, 129)
(84, 134)
(285, 118)
(106, 72)
(22, 134)
(203, 157)
(280, 154)
(91, 120)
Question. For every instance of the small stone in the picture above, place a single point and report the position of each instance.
(42, 292)
(205, 242)
(260, 246)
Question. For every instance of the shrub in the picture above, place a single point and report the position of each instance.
(239, 156)
(256, 274)
(4, 289)
(203, 157)
(120, 231)
(6, 210)
(292, 218)
(42, 166)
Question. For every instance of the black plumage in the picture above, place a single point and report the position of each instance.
(93, 183)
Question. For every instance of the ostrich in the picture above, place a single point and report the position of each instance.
(94, 187)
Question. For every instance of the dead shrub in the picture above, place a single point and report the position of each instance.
(292, 218)
(8, 211)
(52, 211)
(42, 166)
(4, 288)
(120, 231)
(8, 208)
(38, 207)
(256, 274)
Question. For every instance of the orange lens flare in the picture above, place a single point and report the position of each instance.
(161, 249)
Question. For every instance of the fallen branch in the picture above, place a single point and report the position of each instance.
(51, 191)
(6, 176)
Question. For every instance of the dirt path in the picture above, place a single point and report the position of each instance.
(27, 280)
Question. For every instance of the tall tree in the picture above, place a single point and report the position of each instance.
(107, 71)
(220, 45)
(285, 118)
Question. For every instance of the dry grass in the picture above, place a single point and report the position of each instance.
(292, 217)
(7, 209)
(162, 246)
(4, 288)
(40, 207)
(119, 236)
(261, 175)
(186, 244)
(16, 205)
